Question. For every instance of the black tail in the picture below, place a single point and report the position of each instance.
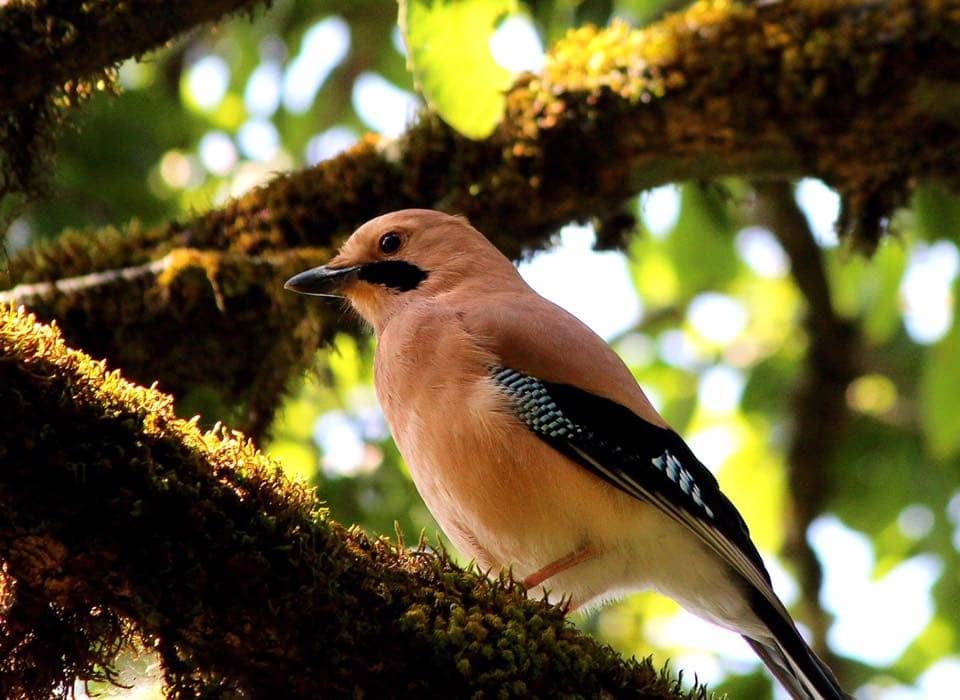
(789, 658)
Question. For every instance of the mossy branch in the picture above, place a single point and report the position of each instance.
(855, 93)
(121, 521)
(57, 53)
(165, 319)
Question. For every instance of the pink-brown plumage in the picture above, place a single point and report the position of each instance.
(449, 310)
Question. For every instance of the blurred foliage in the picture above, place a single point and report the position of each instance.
(166, 147)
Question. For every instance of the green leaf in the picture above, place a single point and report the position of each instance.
(448, 45)
(939, 389)
(877, 471)
(701, 244)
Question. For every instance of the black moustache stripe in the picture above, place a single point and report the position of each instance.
(395, 274)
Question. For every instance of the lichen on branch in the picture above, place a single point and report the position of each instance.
(859, 94)
(121, 521)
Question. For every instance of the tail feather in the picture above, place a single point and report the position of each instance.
(790, 659)
(801, 684)
(779, 666)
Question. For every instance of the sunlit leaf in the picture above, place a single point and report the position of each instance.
(936, 641)
(448, 44)
(344, 361)
(750, 468)
(299, 461)
(653, 274)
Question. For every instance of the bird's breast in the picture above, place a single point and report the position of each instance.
(503, 496)
(500, 494)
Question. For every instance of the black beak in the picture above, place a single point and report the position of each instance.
(322, 281)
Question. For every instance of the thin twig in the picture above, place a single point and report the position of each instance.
(26, 293)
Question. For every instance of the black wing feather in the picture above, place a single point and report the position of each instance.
(646, 461)
(655, 465)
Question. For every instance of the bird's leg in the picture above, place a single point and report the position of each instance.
(562, 564)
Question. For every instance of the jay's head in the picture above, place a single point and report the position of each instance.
(402, 257)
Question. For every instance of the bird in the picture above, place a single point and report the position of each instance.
(534, 447)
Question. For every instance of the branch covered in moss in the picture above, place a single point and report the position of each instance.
(858, 94)
(46, 44)
(57, 53)
(120, 521)
(167, 318)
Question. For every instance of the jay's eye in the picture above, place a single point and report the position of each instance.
(390, 243)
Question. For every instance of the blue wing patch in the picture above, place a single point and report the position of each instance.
(534, 406)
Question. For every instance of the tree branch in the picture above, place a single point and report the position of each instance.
(820, 413)
(842, 91)
(166, 319)
(46, 44)
(57, 53)
(120, 520)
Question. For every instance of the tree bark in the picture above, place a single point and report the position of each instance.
(820, 413)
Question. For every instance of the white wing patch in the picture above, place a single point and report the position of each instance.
(674, 471)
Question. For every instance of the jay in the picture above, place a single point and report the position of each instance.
(533, 445)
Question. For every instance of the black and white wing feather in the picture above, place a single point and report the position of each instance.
(650, 463)
(654, 465)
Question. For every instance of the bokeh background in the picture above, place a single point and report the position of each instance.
(701, 306)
